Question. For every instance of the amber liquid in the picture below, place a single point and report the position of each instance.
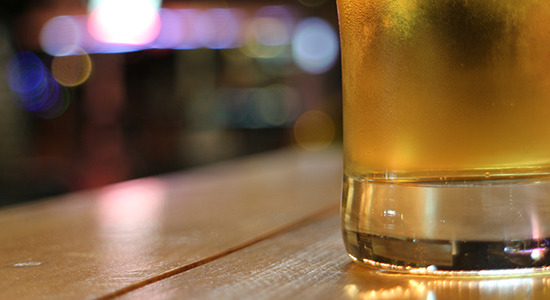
(436, 88)
(437, 93)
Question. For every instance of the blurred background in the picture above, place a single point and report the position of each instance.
(101, 91)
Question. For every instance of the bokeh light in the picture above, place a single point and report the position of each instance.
(25, 72)
(33, 86)
(189, 35)
(315, 46)
(118, 26)
(68, 35)
(171, 31)
(268, 33)
(272, 25)
(133, 22)
(266, 107)
(40, 98)
(219, 28)
(275, 106)
(255, 49)
(60, 105)
(72, 70)
(314, 130)
(61, 36)
(266, 38)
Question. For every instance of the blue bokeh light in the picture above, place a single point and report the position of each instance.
(33, 86)
(315, 46)
(25, 72)
(60, 103)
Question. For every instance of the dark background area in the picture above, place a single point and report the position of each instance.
(149, 112)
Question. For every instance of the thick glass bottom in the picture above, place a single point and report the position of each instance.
(467, 258)
(471, 228)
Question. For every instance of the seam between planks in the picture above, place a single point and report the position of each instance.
(270, 233)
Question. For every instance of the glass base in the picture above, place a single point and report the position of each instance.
(468, 228)
(429, 257)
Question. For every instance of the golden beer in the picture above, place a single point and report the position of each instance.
(446, 133)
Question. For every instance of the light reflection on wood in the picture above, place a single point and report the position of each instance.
(95, 243)
(309, 262)
(368, 284)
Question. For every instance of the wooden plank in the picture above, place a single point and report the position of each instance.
(309, 262)
(91, 244)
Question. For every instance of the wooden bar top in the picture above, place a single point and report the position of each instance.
(261, 227)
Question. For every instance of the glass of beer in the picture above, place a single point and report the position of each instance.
(447, 135)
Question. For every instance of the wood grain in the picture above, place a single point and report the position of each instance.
(309, 262)
(109, 241)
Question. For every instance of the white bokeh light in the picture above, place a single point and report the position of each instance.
(60, 36)
(133, 22)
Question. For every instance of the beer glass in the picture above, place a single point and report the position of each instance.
(446, 109)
